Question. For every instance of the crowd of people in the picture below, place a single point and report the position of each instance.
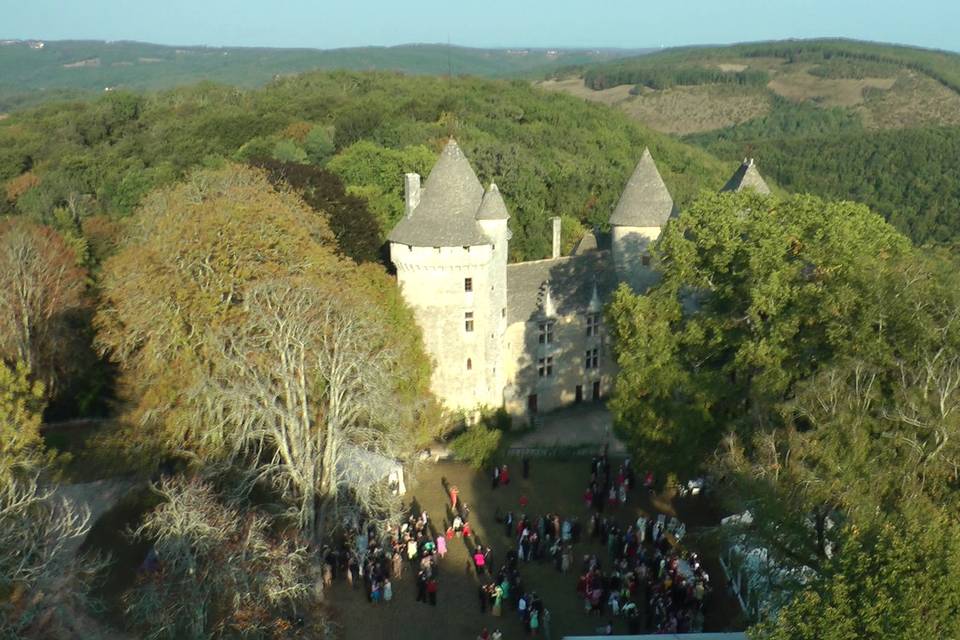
(372, 558)
(643, 578)
(644, 564)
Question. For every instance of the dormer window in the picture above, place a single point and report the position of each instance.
(545, 330)
(593, 324)
(468, 284)
(468, 321)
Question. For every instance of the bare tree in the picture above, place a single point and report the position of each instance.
(309, 381)
(218, 571)
(38, 564)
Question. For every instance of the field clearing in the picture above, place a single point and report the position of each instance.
(554, 486)
(685, 110)
(915, 100)
(575, 87)
(826, 92)
(679, 110)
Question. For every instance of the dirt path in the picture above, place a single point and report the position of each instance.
(588, 426)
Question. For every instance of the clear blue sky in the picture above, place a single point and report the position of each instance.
(491, 23)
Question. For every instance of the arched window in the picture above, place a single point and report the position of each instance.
(469, 364)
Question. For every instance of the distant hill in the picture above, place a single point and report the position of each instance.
(698, 89)
(29, 72)
(843, 119)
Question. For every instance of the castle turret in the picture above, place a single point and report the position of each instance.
(747, 177)
(492, 217)
(643, 210)
(450, 253)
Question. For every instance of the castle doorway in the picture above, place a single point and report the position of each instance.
(532, 403)
(579, 397)
(596, 391)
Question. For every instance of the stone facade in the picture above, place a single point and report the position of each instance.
(530, 336)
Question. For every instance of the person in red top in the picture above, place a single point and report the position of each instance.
(454, 494)
(504, 475)
(523, 502)
(466, 529)
(588, 497)
(432, 591)
(479, 560)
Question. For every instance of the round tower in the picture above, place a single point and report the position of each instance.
(492, 218)
(448, 269)
(643, 210)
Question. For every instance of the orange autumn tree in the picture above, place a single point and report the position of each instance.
(43, 297)
(225, 309)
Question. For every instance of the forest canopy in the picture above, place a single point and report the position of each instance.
(550, 154)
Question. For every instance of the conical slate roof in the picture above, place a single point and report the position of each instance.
(747, 177)
(645, 201)
(493, 207)
(446, 214)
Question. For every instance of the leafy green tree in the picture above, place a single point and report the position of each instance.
(288, 151)
(376, 174)
(897, 579)
(319, 145)
(779, 287)
(22, 401)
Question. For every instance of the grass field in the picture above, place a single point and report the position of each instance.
(554, 487)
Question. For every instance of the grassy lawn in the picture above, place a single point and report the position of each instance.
(554, 486)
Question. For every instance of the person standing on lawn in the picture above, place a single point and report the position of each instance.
(432, 590)
(422, 586)
(479, 561)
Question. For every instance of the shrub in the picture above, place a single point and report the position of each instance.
(476, 445)
(498, 419)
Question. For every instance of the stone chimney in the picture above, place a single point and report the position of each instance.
(411, 192)
(556, 237)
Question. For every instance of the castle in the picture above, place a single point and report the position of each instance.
(528, 336)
